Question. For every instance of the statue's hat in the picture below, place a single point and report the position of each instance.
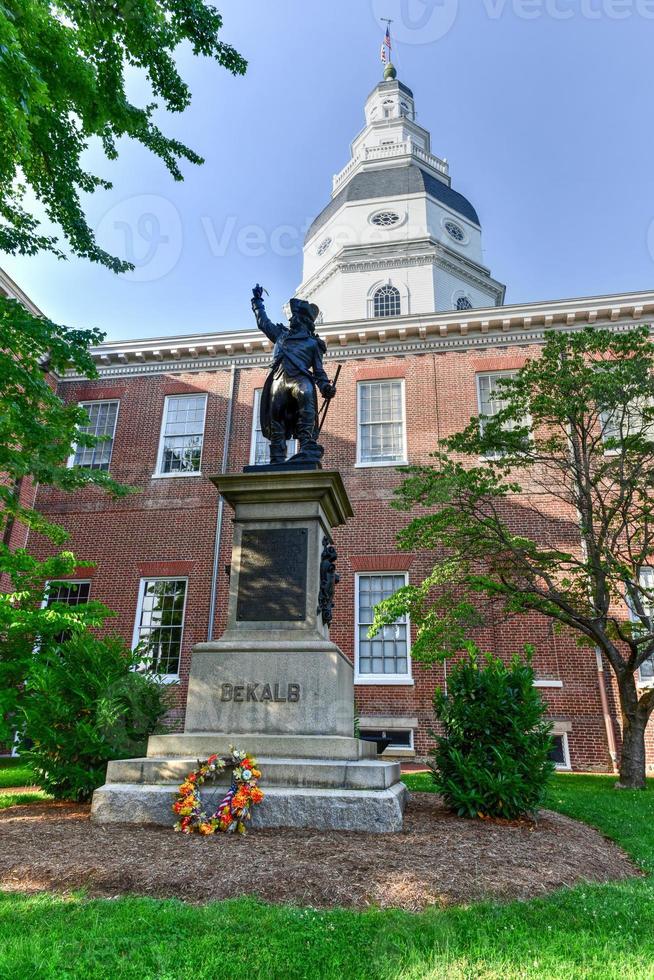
(304, 308)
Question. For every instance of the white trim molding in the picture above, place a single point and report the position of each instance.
(492, 327)
(386, 680)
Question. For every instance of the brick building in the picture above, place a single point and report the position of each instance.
(418, 326)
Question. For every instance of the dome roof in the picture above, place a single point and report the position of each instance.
(394, 182)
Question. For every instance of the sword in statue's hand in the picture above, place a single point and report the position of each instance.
(329, 400)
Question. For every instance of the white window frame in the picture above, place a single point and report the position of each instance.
(482, 417)
(85, 404)
(136, 639)
(386, 680)
(605, 421)
(383, 286)
(566, 765)
(365, 464)
(393, 749)
(292, 444)
(158, 473)
(642, 681)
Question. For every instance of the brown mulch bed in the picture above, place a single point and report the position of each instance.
(438, 859)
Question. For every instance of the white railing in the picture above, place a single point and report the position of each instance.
(370, 153)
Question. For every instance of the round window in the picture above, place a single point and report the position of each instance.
(455, 231)
(324, 245)
(385, 219)
(463, 303)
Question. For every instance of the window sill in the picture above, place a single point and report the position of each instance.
(558, 684)
(386, 680)
(163, 678)
(368, 466)
(175, 476)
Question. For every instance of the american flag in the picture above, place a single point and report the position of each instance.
(386, 43)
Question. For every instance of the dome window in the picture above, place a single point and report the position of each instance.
(455, 231)
(386, 301)
(385, 219)
(324, 245)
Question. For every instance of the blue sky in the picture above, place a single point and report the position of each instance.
(542, 107)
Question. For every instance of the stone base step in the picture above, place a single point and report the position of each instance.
(373, 774)
(204, 744)
(371, 811)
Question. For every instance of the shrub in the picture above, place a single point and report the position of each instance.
(86, 705)
(493, 760)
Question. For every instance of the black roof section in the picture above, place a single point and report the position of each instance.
(394, 182)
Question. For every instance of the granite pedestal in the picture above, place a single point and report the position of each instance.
(274, 684)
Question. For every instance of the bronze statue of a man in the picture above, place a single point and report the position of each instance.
(289, 404)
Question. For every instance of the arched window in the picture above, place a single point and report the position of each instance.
(387, 301)
(463, 303)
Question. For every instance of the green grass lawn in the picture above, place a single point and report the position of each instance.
(603, 931)
(13, 772)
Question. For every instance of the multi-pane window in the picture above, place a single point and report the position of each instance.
(464, 303)
(381, 422)
(492, 399)
(386, 656)
(619, 424)
(160, 624)
(102, 422)
(71, 593)
(647, 583)
(182, 434)
(491, 395)
(260, 446)
(386, 301)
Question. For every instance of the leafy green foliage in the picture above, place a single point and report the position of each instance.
(62, 84)
(86, 704)
(37, 429)
(493, 760)
(37, 434)
(571, 454)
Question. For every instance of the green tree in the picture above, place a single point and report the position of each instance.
(62, 83)
(571, 455)
(37, 435)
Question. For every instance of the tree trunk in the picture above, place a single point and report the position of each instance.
(634, 723)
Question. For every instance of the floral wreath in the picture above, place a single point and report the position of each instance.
(234, 810)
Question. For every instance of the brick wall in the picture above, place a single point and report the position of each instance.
(169, 526)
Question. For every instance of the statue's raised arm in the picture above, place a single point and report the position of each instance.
(289, 403)
(264, 323)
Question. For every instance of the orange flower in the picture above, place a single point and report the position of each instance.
(256, 795)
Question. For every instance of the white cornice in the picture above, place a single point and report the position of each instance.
(496, 326)
(13, 291)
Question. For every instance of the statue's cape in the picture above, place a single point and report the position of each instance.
(290, 419)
